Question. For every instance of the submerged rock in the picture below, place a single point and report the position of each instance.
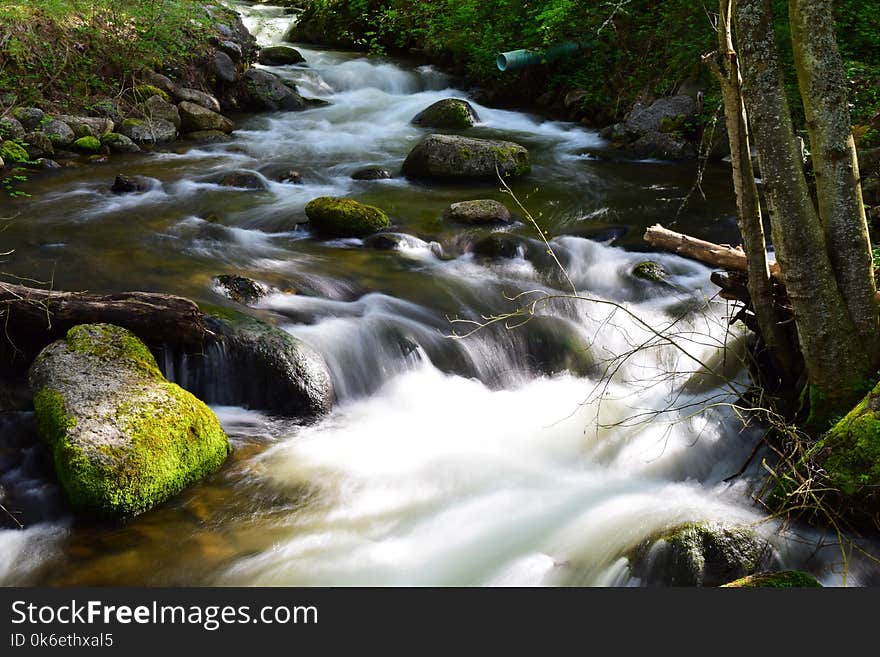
(447, 113)
(701, 554)
(372, 173)
(787, 579)
(243, 180)
(450, 157)
(344, 217)
(650, 271)
(497, 246)
(280, 56)
(195, 118)
(240, 289)
(123, 438)
(482, 211)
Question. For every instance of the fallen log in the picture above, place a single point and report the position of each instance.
(31, 318)
(722, 256)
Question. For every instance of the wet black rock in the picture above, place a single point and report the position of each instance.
(131, 184)
(240, 289)
(372, 173)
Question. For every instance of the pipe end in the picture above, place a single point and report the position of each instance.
(501, 62)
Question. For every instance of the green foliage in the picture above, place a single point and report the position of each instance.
(79, 50)
(640, 49)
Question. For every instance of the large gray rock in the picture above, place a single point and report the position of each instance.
(449, 113)
(149, 131)
(224, 67)
(483, 211)
(123, 438)
(59, 133)
(87, 126)
(29, 117)
(267, 92)
(155, 107)
(198, 97)
(701, 554)
(39, 145)
(653, 118)
(450, 157)
(280, 56)
(118, 143)
(267, 368)
(11, 128)
(195, 118)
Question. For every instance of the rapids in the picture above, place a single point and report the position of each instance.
(533, 454)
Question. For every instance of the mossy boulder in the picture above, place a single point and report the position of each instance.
(849, 454)
(451, 157)
(787, 579)
(280, 56)
(122, 437)
(481, 211)
(118, 143)
(194, 118)
(88, 144)
(144, 91)
(449, 113)
(649, 270)
(701, 554)
(150, 131)
(344, 217)
(11, 128)
(11, 152)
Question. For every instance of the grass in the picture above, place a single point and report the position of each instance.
(69, 53)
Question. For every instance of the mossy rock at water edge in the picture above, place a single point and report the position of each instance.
(449, 113)
(788, 579)
(451, 157)
(88, 144)
(344, 217)
(123, 438)
(13, 152)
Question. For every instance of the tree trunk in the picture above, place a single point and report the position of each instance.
(822, 82)
(836, 362)
(777, 338)
(32, 318)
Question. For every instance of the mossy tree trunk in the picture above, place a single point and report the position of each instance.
(822, 81)
(777, 338)
(837, 363)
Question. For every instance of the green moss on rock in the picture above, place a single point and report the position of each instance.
(789, 579)
(452, 113)
(344, 217)
(650, 271)
(144, 91)
(88, 144)
(123, 438)
(11, 151)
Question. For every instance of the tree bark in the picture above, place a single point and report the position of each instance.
(822, 82)
(836, 362)
(777, 338)
(31, 318)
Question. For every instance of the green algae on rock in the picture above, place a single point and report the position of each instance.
(787, 579)
(123, 438)
(344, 217)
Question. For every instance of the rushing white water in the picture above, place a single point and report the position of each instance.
(539, 454)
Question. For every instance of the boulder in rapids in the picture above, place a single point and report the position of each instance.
(280, 56)
(648, 270)
(243, 180)
(701, 554)
(123, 438)
(240, 289)
(267, 368)
(451, 113)
(344, 217)
(195, 118)
(372, 173)
(267, 93)
(131, 184)
(451, 157)
(481, 211)
(496, 246)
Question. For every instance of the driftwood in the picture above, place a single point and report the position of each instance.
(715, 255)
(31, 318)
